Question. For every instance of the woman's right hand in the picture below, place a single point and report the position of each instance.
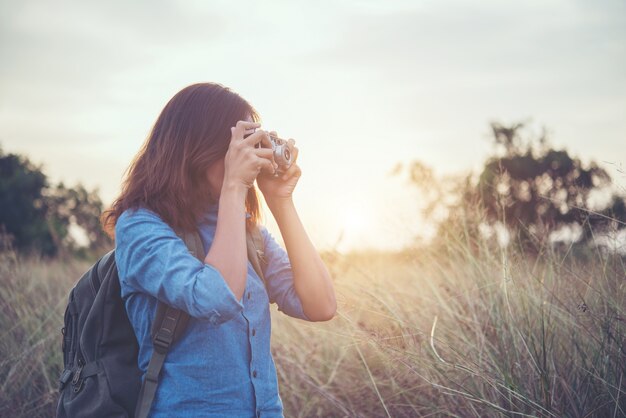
(243, 161)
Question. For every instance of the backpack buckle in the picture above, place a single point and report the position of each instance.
(163, 340)
(79, 386)
(165, 335)
(77, 382)
(77, 374)
(261, 255)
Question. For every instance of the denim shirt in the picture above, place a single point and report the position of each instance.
(222, 366)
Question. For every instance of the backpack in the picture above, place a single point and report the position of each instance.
(101, 377)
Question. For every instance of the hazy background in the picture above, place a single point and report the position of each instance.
(360, 85)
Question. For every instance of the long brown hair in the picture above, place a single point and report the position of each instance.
(169, 173)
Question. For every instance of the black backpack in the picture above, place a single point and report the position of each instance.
(101, 377)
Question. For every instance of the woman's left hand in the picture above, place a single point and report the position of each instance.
(280, 187)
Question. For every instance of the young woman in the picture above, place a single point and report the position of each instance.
(196, 171)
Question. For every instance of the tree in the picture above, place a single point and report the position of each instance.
(529, 187)
(43, 218)
(79, 208)
(22, 205)
(536, 190)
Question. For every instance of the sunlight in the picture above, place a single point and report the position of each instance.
(353, 221)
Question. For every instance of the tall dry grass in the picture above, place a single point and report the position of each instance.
(462, 329)
(33, 294)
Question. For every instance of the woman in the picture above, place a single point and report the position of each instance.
(196, 172)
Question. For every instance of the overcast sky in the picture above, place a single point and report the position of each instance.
(360, 85)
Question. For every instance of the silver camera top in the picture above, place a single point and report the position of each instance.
(283, 151)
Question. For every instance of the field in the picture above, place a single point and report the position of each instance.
(462, 329)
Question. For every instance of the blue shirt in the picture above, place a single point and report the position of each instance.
(222, 366)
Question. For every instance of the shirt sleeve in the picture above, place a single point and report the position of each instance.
(151, 258)
(279, 277)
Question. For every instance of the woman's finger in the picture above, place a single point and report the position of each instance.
(239, 130)
(293, 168)
(264, 153)
(248, 132)
(260, 136)
(244, 124)
(294, 152)
(265, 164)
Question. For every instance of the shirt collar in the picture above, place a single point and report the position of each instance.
(210, 215)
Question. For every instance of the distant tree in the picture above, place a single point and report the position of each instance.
(40, 217)
(527, 186)
(22, 205)
(76, 207)
(536, 190)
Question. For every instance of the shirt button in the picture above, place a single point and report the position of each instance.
(253, 332)
(254, 373)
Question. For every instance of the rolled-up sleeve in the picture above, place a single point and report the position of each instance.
(279, 277)
(151, 258)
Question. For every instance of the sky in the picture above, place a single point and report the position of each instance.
(360, 85)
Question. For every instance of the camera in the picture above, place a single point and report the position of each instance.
(283, 151)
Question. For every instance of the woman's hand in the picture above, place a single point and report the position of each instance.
(243, 162)
(280, 187)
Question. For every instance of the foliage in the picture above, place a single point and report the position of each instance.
(39, 217)
(22, 205)
(76, 206)
(540, 191)
(528, 187)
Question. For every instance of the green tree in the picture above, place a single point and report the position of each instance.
(40, 218)
(536, 189)
(75, 207)
(22, 205)
(526, 185)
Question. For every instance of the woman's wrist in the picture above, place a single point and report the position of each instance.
(279, 205)
(279, 201)
(234, 189)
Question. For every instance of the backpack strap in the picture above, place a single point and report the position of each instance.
(172, 322)
(168, 326)
(256, 254)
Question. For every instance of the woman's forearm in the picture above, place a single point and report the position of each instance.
(312, 280)
(228, 251)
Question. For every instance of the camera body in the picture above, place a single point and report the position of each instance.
(283, 151)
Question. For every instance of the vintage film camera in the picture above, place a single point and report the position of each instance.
(283, 152)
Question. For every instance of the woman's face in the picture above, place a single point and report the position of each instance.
(215, 173)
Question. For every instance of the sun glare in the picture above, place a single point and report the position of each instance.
(353, 221)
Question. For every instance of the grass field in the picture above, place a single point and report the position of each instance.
(462, 329)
